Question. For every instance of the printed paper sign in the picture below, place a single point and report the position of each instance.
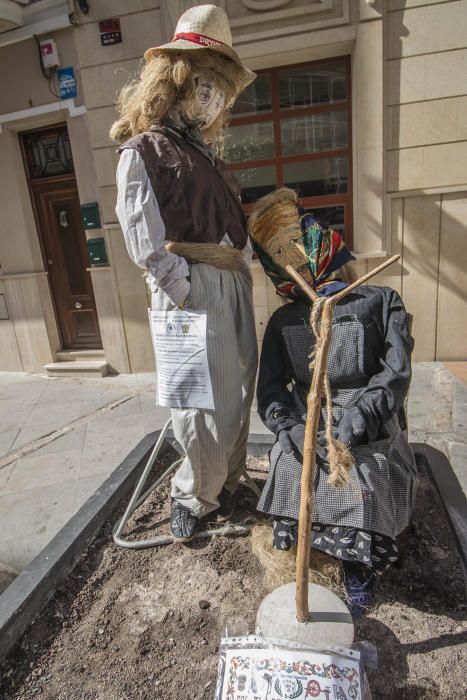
(273, 674)
(183, 379)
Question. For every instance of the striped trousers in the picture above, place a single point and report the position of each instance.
(214, 441)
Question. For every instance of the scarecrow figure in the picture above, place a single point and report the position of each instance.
(183, 222)
(369, 374)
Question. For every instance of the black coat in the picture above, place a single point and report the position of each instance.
(370, 354)
(368, 367)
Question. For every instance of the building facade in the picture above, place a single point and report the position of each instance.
(360, 104)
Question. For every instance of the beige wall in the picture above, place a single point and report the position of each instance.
(22, 84)
(121, 294)
(29, 336)
(426, 150)
(410, 150)
(409, 61)
(19, 244)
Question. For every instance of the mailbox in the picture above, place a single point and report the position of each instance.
(90, 215)
(96, 252)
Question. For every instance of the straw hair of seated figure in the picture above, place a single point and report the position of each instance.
(280, 565)
(273, 213)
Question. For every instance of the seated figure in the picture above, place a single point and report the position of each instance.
(369, 372)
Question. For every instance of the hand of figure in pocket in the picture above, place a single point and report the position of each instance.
(292, 439)
(186, 302)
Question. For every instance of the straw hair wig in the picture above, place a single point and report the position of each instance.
(274, 213)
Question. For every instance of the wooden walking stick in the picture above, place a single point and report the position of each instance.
(323, 342)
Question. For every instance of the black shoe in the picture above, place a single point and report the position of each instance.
(359, 582)
(226, 505)
(183, 524)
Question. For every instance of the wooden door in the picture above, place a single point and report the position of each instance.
(63, 240)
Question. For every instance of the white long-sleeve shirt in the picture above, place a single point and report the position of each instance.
(139, 215)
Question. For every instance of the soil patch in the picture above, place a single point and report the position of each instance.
(147, 624)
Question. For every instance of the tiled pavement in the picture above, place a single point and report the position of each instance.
(42, 487)
(41, 490)
(438, 411)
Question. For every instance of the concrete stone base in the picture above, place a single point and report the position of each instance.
(330, 622)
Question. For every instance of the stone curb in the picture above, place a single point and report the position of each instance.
(442, 475)
(36, 584)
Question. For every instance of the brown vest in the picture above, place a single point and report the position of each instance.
(199, 202)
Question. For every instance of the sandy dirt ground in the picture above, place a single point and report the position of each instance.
(147, 624)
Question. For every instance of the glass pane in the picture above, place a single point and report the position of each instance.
(314, 85)
(255, 99)
(330, 217)
(48, 152)
(249, 142)
(312, 133)
(312, 178)
(255, 182)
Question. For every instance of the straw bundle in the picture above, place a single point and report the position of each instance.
(221, 256)
(280, 566)
(275, 213)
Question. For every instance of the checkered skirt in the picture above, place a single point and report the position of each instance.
(379, 496)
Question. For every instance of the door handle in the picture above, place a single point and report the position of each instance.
(78, 305)
(63, 219)
(50, 261)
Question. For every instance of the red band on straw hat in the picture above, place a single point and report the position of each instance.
(198, 39)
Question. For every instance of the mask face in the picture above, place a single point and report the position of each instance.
(282, 248)
(207, 102)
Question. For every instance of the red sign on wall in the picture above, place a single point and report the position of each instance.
(109, 31)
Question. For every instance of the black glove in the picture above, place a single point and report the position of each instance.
(351, 427)
(292, 439)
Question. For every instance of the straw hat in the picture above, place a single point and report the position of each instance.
(204, 27)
